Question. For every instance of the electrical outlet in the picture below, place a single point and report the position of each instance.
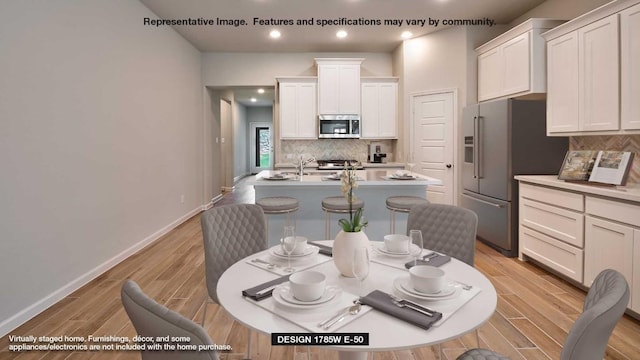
(182, 199)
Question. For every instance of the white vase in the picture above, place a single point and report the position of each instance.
(343, 249)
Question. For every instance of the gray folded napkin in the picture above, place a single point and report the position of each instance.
(324, 249)
(255, 292)
(436, 260)
(383, 302)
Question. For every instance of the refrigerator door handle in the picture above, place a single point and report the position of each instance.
(479, 146)
(475, 147)
(483, 201)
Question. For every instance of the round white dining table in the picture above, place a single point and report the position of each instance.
(386, 333)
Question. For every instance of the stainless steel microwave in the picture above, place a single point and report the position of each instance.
(339, 126)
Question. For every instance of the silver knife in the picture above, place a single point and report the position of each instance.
(335, 316)
(266, 290)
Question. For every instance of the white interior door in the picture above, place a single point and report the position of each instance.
(432, 142)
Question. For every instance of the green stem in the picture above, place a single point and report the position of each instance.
(350, 207)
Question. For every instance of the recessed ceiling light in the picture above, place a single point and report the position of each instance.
(275, 34)
(341, 34)
(260, 91)
(406, 34)
(253, 100)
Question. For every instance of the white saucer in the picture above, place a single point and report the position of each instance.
(403, 284)
(282, 295)
(279, 253)
(383, 250)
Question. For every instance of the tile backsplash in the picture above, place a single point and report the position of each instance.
(352, 149)
(615, 143)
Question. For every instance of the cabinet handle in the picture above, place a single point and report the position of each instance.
(448, 166)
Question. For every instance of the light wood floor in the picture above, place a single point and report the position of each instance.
(535, 309)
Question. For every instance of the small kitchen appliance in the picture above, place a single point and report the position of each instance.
(338, 126)
(377, 153)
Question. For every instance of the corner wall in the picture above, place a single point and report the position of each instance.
(100, 138)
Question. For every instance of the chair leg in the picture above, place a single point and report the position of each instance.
(392, 222)
(477, 338)
(326, 225)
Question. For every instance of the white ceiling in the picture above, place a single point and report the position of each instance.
(316, 38)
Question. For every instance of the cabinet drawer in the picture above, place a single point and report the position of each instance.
(561, 257)
(614, 210)
(555, 197)
(562, 224)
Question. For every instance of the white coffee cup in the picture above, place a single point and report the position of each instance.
(397, 243)
(427, 279)
(301, 245)
(307, 285)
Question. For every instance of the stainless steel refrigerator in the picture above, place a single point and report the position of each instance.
(504, 138)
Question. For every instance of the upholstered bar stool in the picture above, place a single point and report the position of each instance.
(338, 205)
(401, 204)
(279, 205)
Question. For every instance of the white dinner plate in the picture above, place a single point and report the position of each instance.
(283, 295)
(279, 253)
(403, 177)
(277, 177)
(403, 284)
(332, 177)
(382, 249)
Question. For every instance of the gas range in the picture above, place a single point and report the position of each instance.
(337, 164)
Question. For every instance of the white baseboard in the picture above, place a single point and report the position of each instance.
(36, 308)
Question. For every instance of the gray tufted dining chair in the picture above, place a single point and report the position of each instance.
(153, 320)
(604, 305)
(230, 233)
(447, 229)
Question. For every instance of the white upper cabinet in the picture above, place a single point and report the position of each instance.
(630, 68)
(562, 84)
(297, 102)
(379, 112)
(339, 86)
(598, 75)
(513, 64)
(593, 72)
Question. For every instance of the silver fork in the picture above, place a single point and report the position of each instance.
(464, 286)
(402, 303)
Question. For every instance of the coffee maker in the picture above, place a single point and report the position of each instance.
(377, 153)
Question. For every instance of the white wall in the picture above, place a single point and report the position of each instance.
(560, 9)
(256, 69)
(100, 135)
(240, 141)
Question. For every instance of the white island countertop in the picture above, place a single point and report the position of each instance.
(365, 178)
(374, 187)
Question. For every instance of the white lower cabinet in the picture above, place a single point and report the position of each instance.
(608, 245)
(552, 229)
(577, 234)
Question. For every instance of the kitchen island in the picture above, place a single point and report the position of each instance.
(374, 186)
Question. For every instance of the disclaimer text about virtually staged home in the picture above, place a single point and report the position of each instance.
(108, 343)
(91, 343)
(341, 21)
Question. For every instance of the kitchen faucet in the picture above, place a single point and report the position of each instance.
(302, 163)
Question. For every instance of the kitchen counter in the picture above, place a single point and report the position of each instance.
(319, 178)
(367, 165)
(630, 192)
(373, 188)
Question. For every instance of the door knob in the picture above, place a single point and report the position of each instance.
(449, 166)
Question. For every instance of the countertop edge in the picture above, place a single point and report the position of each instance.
(628, 193)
